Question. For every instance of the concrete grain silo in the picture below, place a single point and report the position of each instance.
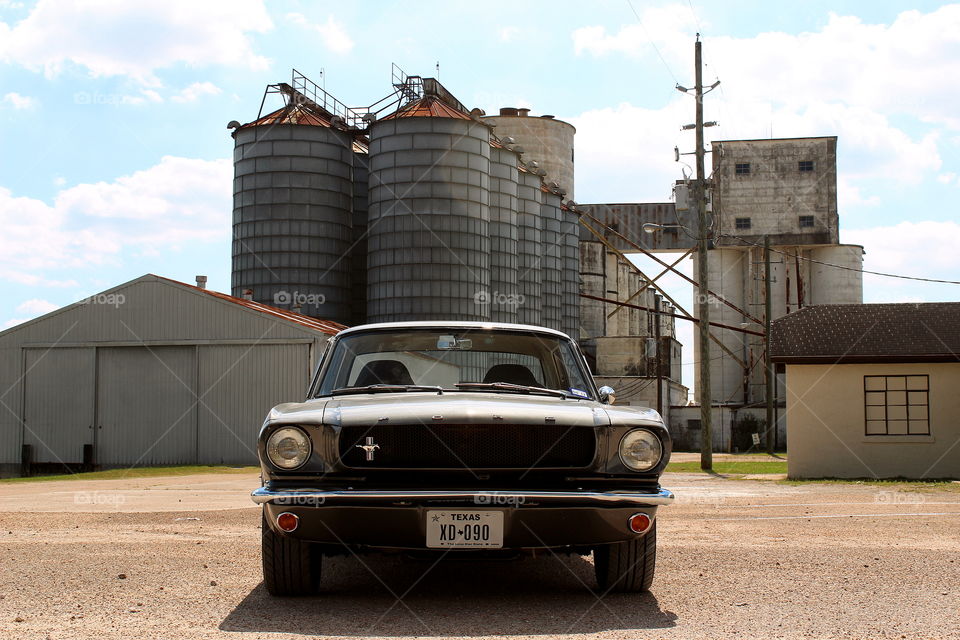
(292, 225)
(547, 140)
(429, 215)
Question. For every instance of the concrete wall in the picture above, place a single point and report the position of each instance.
(684, 427)
(826, 424)
(775, 193)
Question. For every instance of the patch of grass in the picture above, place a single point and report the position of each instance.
(746, 467)
(900, 484)
(136, 472)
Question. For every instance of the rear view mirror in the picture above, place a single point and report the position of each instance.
(607, 395)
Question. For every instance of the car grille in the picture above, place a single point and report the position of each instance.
(470, 446)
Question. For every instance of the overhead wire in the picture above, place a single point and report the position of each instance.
(652, 43)
(841, 266)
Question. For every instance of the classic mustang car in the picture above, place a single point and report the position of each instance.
(459, 438)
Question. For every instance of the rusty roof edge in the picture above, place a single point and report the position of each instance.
(328, 327)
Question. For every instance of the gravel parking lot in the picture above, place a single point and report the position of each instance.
(178, 557)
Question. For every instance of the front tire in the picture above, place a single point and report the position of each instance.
(291, 567)
(627, 566)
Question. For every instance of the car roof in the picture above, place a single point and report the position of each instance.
(453, 324)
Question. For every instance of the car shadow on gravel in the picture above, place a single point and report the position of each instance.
(395, 596)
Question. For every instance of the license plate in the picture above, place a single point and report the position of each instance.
(465, 529)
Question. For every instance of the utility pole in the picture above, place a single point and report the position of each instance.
(659, 358)
(703, 242)
(767, 305)
(703, 307)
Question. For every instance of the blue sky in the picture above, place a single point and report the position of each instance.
(116, 154)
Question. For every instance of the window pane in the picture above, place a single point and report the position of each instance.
(919, 413)
(876, 413)
(917, 397)
(919, 428)
(917, 382)
(896, 397)
(896, 413)
(876, 398)
(876, 427)
(896, 382)
(897, 427)
(874, 383)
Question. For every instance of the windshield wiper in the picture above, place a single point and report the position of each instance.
(513, 388)
(387, 388)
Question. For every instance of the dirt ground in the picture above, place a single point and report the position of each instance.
(178, 558)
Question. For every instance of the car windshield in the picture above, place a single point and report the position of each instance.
(466, 360)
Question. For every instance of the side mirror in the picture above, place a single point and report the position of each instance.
(607, 395)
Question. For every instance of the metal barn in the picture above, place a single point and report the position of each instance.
(152, 372)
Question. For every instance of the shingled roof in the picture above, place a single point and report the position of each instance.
(852, 333)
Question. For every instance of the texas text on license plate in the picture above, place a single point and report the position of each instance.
(465, 529)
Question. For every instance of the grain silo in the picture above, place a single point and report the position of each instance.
(551, 261)
(358, 248)
(570, 300)
(429, 214)
(292, 213)
(530, 248)
(504, 234)
(547, 140)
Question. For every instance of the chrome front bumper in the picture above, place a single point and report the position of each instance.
(314, 497)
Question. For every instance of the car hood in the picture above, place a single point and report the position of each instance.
(457, 408)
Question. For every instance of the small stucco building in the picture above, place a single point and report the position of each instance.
(151, 372)
(872, 390)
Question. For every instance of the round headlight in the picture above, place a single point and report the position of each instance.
(288, 448)
(640, 450)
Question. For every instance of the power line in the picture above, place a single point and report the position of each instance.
(652, 43)
(844, 267)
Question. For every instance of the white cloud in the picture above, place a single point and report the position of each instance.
(508, 34)
(135, 39)
(195, 91)
(875, 66)
(775, 84)
(160, 208)
(18, 101)
(36, 307)
(332, 33)
(30, 309)
(925, 249)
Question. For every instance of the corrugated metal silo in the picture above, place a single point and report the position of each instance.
(292, 214)
(570, 302)
(551, 224)
(530, 248)
(429, 215)
(358, 249)
(504, 235)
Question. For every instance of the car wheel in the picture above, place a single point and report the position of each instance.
(291, 567)
(627, 566)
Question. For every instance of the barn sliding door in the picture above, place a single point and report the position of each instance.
(146, 406)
